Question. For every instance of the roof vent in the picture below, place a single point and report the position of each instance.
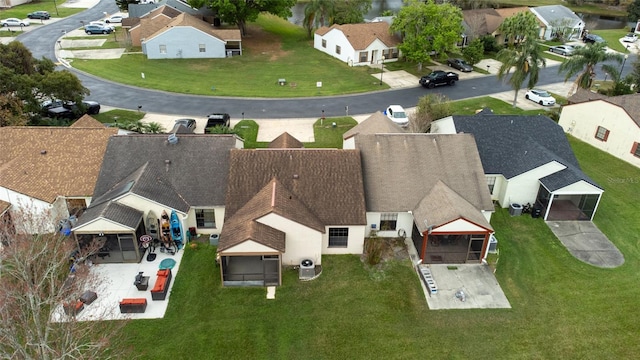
(295, 176)
(172, 139)
(43, 152)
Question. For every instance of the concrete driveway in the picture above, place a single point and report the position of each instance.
(587, 243)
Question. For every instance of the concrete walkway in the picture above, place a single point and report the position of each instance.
(587, 243)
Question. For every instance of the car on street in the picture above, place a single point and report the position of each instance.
(630, 37)
(188, 123)
(114, 19)
(541, 97)
(97, 29)
(593, 38)
(14, 22)
(460, 64)
(397, 114)
(217, 119)
(44, 15)
(564, 50)
(70, 110)
(437, 78)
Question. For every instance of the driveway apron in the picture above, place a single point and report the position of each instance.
(587, 243)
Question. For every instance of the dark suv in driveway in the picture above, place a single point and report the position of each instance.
(593, 38)
(217, 119)
(71, 110)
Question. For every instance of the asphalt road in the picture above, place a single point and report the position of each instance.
(42, 42)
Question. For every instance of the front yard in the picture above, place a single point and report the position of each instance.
(562, 308)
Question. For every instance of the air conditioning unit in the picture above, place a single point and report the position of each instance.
(307, 269)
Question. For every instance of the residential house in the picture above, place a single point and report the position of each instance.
(149, 23)
(482, 22)
(377, 123)
(287, 205)
(430, 188)
(611, 124)
(144, 176)
(48, 174)
(527, 159)
(358, 44)
(558, 18)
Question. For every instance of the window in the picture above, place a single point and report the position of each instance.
(206, 218)
(338, 237)
(203, 48)
(163, 49)
(388, 221)
(391, 53)
(491, 181)
(602, 133)
(338, 49)
(363, 56)
(324, 43)
(635, 149)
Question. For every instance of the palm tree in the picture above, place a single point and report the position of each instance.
(526, 61)
(318, 13)
(583, 62)
(153, 128)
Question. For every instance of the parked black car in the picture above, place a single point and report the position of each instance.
(593, 38)
(217, 119)
(44, 15)
(439, 77)
(71, 110)
(460, 65)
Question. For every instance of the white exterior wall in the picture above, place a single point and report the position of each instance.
(182, 42)
(190, 221)
(404, 222)
(523, 188)
(349, 143)
(443, 126)
(335, 37)
(582, 121)
(249, 247)
(102, 225)
(41, 212)
(302, 242)
(145, 205)
(459, 225)
(579, 188)
(355, 242)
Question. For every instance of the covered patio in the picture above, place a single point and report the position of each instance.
(577, 201)
(251, 270)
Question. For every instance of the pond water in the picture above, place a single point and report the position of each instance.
(377, 8)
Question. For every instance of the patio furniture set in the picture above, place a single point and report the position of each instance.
(73, 308)
(158, 292)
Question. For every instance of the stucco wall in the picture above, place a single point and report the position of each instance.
(523, 188)
(582, 121)
(38, 215)
(355, 243)
(335, 37)
(404, 222)
(301, 242)
(182, 42)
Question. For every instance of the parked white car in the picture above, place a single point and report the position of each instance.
(114, 19)
(630, 37)
(14, 22)
(103, 24)
(540, 96)
(397, 114)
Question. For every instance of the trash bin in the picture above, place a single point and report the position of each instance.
(536, 212)
(213, 239)
(515, 209)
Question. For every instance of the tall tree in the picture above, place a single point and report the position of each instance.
(240, 12)
(583, 62)
(521, 26)
(429, 108)
(37, 277)
(633, 11)
(318, 13)
(427, 28)
(525, 60)
(350, 11)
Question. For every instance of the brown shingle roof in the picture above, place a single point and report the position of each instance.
(362, 35)
(484, 21)
(584, 95)
(45, 162)
(86, 121)
(400, 169)
(629, 103)
(377, 123)
(327, 181)
(4, 206)
(285, 141)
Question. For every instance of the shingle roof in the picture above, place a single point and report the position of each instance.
(442, 205)
(483, 21)
(377, 123)
(285, 141)
(629, 103)
(187, 20)
(47, 162)
(327, 181)
(4, 206)
(360, 36)
(552, 13)
(400, 169)
(116, 212)
(196, 167)
(512, 145)
(86, 121)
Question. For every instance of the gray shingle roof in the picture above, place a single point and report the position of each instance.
(512, 145)
(118, 213)
(377, 123)
(400, 169)
(327, 181)
(196, 167)
(551, 13)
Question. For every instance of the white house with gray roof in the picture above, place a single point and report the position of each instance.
(527, 159)
(558, 18)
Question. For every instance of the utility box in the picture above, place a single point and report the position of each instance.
(214, 239)
(493, 244)
(515, 209)
(307, 269)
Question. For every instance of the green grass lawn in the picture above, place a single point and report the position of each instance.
(53, 7)
(499, 107)
(561, 308)
(612, 37)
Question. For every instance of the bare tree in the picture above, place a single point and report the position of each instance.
(42, 278)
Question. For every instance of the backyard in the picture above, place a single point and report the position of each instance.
(561, 307)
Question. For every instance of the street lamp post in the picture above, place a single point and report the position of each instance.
(626, 56)
(382, 70)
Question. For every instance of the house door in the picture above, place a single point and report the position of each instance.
(271, 270)
(374, 56)
(474, 254)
